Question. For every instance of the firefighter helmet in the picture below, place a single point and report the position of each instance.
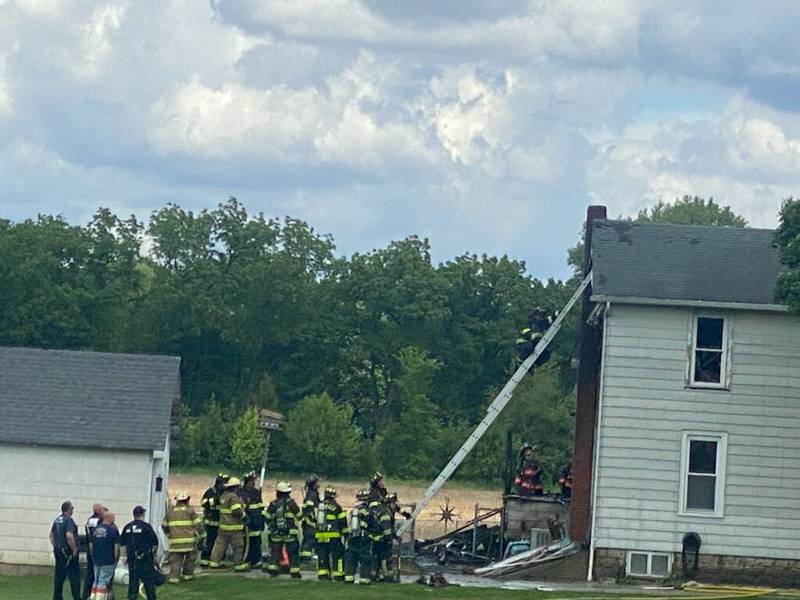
(376, 478)
(362, 495)
(312, 481)
(233, 482)
(330, 492)
(182, 496)
(283, 487)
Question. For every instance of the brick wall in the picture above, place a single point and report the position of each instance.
(586, 406)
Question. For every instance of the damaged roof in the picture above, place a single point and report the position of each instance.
(86, 399)
(684, 263)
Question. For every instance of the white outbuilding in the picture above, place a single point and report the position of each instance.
(81, 426)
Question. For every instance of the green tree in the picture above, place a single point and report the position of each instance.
(411, 446)
(205, 439)
(319, 437)
(787, 240)
(692, 210)
(247, 442)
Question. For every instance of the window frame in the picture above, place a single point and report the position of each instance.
(721, 439)
(725, 351)
(650, 555)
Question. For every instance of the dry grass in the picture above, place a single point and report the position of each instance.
(462, 499)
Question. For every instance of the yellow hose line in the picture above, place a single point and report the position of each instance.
(734, 593)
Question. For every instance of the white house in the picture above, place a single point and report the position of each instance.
(81, 426)
(698, 412)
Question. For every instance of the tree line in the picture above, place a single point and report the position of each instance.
(383, 359)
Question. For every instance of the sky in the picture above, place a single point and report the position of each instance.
(487, 127)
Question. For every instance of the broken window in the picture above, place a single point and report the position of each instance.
(709, 355)
(703, 474)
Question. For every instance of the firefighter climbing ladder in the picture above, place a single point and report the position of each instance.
(497, 405)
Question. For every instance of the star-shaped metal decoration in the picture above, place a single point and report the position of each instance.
(447, 514)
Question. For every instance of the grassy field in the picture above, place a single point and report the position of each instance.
(243, 588)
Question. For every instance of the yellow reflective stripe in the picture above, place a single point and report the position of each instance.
(328, 535)
(182, 540)
(211, 523)
(341, 515)
(180, 523)
(231, 527)
(255, 506)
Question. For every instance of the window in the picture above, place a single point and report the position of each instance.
(702, 486)
(649, 564)
(709, 359)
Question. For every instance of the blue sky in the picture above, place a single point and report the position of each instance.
(485, 126)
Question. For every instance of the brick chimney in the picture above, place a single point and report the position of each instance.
(590, 354)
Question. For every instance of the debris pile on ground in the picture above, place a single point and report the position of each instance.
(544, 554)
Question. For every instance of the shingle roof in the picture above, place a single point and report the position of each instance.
(88, 399)
(684, 262)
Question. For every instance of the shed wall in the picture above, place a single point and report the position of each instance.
(646, 405)
(35, 480)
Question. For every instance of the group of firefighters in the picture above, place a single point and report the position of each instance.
(348, 545)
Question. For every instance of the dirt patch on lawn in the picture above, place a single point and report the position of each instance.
(462, 500)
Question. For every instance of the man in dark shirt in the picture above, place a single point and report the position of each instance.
(91, 524)
(140, 543)
(105, 554)
(64, 539)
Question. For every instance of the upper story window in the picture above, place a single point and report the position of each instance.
(709, 361)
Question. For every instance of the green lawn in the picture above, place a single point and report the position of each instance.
(240, 588)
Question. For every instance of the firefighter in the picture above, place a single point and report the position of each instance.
(254, 513)
(284, 519)
(565, 481)
(377, 487)
(183, 528)
(381, 537)
(331, 532)
(310, 502)
(362, 524)
(210, 504)
(539, 321)
(528, 481)
(231, 528)
(393, 505)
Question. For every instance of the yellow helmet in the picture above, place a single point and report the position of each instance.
(233, 482)
(182, 496)
(284, 487)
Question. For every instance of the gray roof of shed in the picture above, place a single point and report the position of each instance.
(86, 399)
(684, 262)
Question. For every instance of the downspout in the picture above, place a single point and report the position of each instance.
(596, 465)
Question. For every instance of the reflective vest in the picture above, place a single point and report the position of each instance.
(231, 513)
(254, 510)
(331, 522)
(210, 504)
(182, 526)
(283, 518)
(384, 517)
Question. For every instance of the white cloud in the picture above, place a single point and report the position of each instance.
(94, 46)
(600, 31)
(46, 9)
(760, 143)
(234, 121)
(6, 100)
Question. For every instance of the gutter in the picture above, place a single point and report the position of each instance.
(608, 298)
(598, 425)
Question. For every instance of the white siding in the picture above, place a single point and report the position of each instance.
(646, 406)
(34, 481)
